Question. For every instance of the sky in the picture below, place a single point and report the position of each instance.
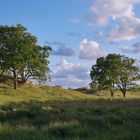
(79, 32)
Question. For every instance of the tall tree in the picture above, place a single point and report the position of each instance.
(37, 65)
(20, 54)
(103, 73)
(112, 71)
(97, 74)
(128, 73)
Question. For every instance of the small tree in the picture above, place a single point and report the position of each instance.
(20, 54)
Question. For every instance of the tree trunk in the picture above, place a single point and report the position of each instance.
(23, 79)
(112, 89)
(112, 93)
(123, 90)
(15, 80)
(124, 93)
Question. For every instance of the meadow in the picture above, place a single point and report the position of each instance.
(51, 113)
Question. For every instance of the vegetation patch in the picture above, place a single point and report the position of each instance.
(50, 114)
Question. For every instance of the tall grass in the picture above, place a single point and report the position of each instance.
(52, 113)
(79, 120)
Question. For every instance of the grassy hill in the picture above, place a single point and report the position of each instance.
(34, 112)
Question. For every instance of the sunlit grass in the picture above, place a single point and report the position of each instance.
(44, 93)
(53, 113)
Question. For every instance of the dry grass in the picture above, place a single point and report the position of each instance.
(28, 92)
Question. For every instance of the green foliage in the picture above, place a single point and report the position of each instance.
(112, 71)
(37, 65)
(128, 73)
(20, 54)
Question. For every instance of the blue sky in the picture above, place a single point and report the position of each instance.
(79, 31)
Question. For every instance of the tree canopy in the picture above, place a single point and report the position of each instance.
(20, 54)
(114, 71)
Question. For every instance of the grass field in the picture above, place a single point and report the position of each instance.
(52, 113)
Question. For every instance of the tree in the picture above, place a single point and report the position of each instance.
(112, 71)
(103, 73)
(37, 65)
(128, 73)
(97, 74)
(20, 54)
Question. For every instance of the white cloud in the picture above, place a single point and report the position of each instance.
(70, 75)
(61, 49)
(121, 12)
(128, 29)
(64, 51)
(90, 50)
(138, 63)
(102, 10)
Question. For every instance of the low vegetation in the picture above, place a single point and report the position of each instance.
(35, 112)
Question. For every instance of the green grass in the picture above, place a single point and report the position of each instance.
(52, 113)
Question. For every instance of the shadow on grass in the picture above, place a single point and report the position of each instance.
(70, 120)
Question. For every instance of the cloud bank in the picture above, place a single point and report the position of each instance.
(68, 74)
(90, 50)
(103, 12)
(60, 49)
